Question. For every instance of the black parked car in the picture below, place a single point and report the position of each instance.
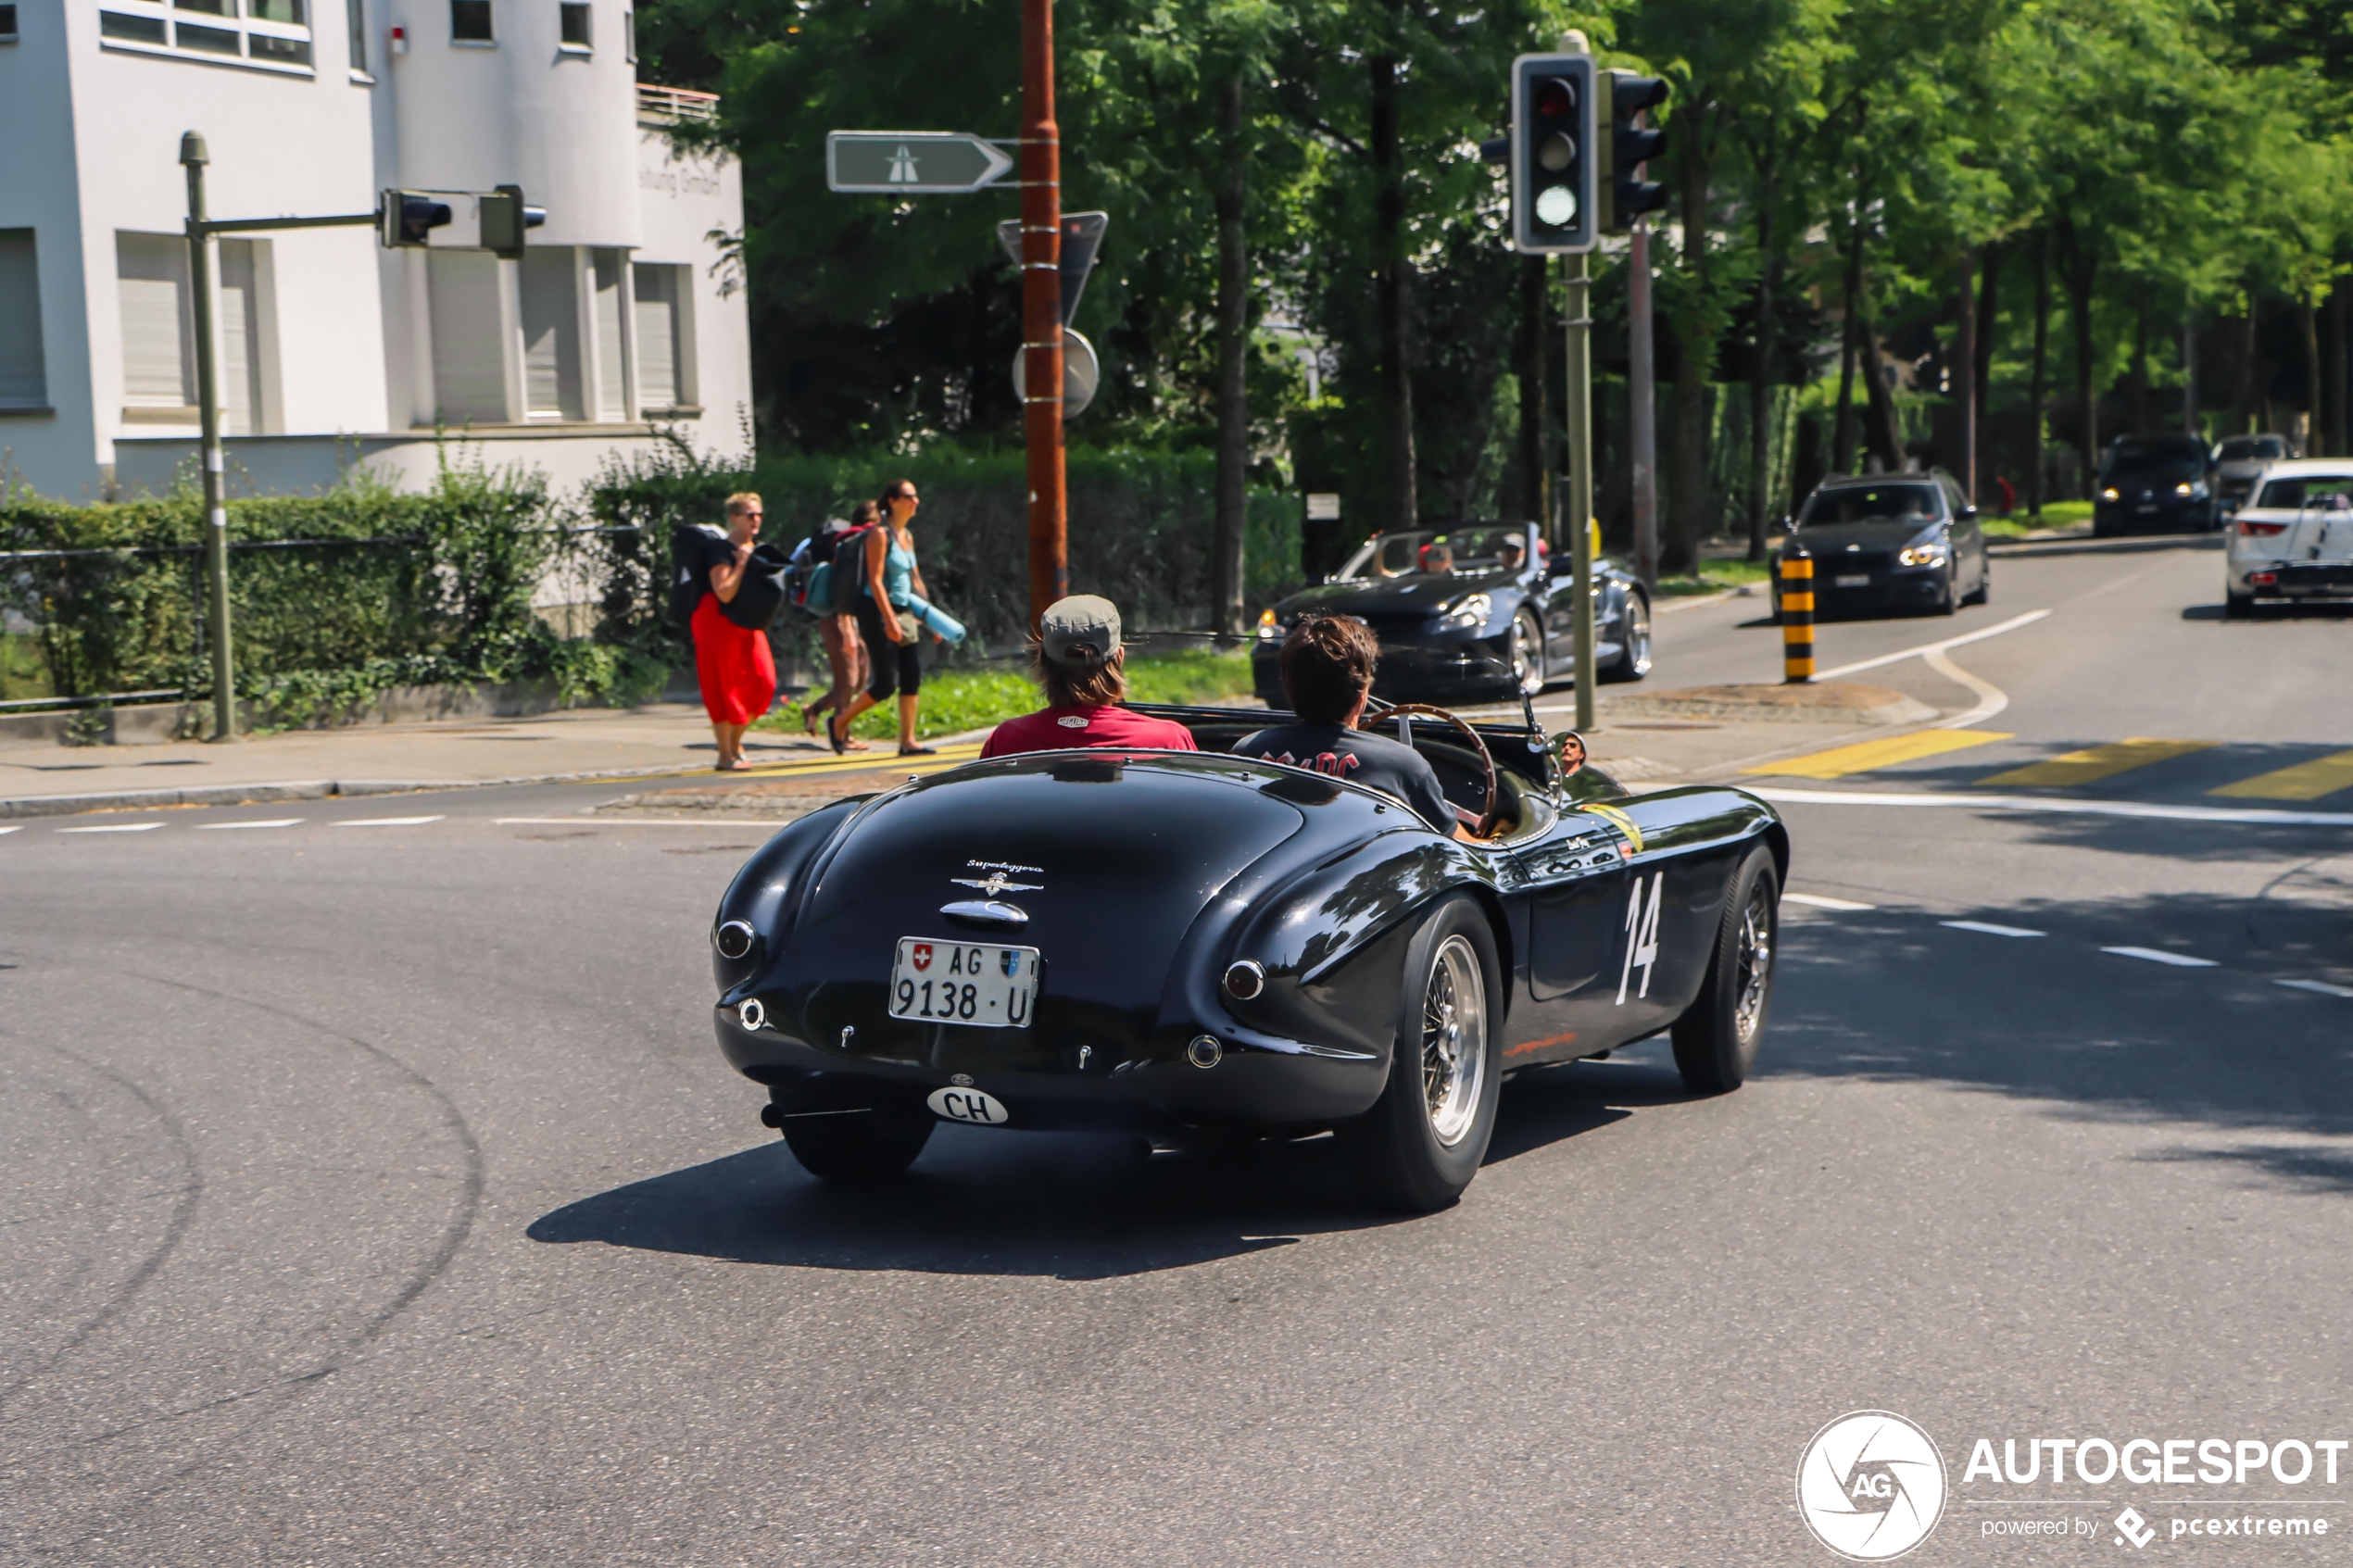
(1472, 614)
(1890, 542)
(1194, 945)
(2152, 484)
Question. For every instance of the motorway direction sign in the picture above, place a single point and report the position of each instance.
(912, 162)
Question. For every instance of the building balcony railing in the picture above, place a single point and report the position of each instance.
(668, 105)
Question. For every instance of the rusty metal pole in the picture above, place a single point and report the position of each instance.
(1041, 310)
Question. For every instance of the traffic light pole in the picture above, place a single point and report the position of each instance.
(1575, 271)
(193, 157)
(1041, 310)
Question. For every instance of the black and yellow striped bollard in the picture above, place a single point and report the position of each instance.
(1797, 619)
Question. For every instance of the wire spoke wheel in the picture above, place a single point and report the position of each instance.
(1528, 653)
(1752, 973)
(1453, 1041)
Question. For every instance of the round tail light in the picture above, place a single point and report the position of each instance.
(734, 939)
(1244, 980)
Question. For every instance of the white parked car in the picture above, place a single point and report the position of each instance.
(2239, 462)
(2293, 539)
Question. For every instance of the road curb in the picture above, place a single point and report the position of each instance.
(300, 790)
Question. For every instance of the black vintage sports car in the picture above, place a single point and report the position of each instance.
(1197, 946)
(1469, 615)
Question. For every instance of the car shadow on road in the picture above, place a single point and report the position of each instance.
(1063, 1204)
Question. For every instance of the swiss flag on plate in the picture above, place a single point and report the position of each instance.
(922, 955)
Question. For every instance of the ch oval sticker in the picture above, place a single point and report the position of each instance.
(968, 1105)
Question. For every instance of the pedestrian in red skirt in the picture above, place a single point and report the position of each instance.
(736, 672)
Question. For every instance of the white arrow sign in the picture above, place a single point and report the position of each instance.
(912, 162)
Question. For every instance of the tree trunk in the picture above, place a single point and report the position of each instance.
(2078, 271)
(1535, 393)
(2243, 405)
(1394, 294)
(1233, 349)
(1989, 310)
(1965, 370)
(2038, 378)
(2308, 319)
(1761, 343)
(2141, 371)
(2338, 433)
(1687, 497)
(1884, 429)
(1849, 342)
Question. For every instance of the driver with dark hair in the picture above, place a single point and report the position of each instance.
(1327, 675)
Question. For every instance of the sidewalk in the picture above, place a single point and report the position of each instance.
(667, 738)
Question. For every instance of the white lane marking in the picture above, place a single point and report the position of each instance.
(384, 821)
(273, 823)
(2056, 803)
(17, 828)
(2319, 987)
(642, 822)
(1990, 929)
(2154, 955)
(1991, 698)
(117, 827)
(2029, 618)
(1815, 901)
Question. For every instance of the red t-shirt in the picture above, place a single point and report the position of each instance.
(1061, 729)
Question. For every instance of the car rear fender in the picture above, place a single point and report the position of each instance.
(768, 886)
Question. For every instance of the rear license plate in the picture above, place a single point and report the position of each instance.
(1861, 580)
(971, 983)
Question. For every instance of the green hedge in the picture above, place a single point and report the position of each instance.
(1140, 530)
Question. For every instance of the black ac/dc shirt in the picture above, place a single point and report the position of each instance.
(1391, 767)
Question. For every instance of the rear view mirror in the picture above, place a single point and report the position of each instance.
(1569, 752)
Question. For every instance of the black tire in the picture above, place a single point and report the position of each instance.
(1408, 1154)
(1985, 593)
(1951, 603)
(860, 1149)
(1633, 660)
(2238, 607)
(1717, 1038)
(1525, 642)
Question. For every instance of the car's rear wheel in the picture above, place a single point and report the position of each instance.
(1528, 651)
(858, 1147)
(2237, 606)
(1717, 1038)
(1422, 1142)
(1633, 660)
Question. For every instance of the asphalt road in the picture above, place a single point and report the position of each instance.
(376, 1194)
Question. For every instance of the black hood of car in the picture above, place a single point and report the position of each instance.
(1871, 533)
(1416, 594)
(2153, 475)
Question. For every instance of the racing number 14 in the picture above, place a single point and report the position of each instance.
(1642, 933)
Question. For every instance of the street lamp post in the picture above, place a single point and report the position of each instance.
(193, 156)
(1041, 293)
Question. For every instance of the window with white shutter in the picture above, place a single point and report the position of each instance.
(612, 338)
(551, 333)
(24, 379)
(664, 363)
(469, 342)
(158, 348)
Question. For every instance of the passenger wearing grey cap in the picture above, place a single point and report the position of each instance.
(1078, 659)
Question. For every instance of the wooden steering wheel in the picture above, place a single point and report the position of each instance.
(1486, 824)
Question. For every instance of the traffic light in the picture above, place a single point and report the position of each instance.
(1552, 154)
(1624, 195)
(504, 218)
(407, 217)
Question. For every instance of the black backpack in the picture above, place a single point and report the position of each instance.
(689, 570)
(850, 569)
(759, 595)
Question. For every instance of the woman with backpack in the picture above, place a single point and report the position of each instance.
(887, 623)
(837, 629)
(733, 664)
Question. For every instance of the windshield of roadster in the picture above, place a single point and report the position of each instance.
(1474, 549)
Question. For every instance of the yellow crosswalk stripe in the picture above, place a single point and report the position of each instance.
(1864, 756)
(2306, 781)
(2098, 762)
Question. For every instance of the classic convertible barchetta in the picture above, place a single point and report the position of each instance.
(1196, 945)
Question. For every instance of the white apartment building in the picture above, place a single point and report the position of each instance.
(619, 320)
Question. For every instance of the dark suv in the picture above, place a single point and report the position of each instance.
(2155, 484)
(1890, 542)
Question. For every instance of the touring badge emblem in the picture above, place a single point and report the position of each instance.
(998, 879)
